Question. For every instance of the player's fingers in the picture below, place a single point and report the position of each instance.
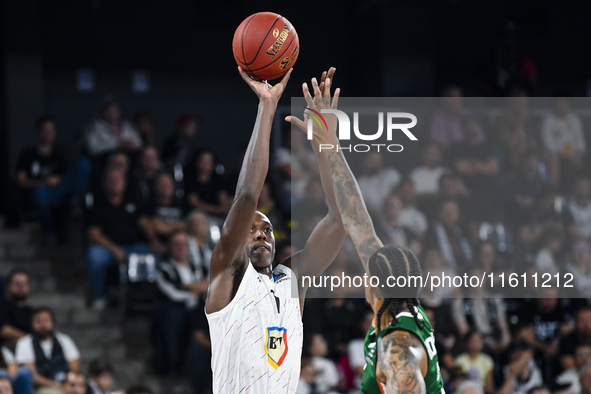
(285, 79)
(297, 122)
(307, 96)
(317, 93)
(245, 76)
(335, 99)
(322, 78)
(331, 72)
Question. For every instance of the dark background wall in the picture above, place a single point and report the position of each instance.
(412, 48)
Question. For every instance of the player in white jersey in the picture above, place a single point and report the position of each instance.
(255, 323)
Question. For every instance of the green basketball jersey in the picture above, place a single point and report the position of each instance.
(405, 321)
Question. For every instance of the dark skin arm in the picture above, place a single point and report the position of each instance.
(328, 236)
(229, 258)
(402, 363)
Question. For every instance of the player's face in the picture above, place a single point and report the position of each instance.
(260, 246)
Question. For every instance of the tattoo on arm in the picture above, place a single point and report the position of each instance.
(356, 219)
(400, 358)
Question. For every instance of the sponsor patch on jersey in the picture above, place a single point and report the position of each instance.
(276, 346)
(277, 278)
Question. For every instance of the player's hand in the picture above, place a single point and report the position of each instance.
(263, 90)
(322, 133)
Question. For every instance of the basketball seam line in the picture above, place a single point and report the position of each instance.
(264, 39)
(243, 34)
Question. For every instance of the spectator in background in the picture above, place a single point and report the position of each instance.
(572, 376)
(41, 173)
(200, 244)
(144, 175)
(50, 354)
(391, 231)
(452, 187)
(144, 124)
(307, 374)
(545, 260)
(21, 378)
(313, 202)
(580, 336)
(474, 160)
(327, 376)
(523, 187)
(204, 188)
(376, 181)
(522, 373)
(432, 263)
(425, 178)
(410, 216)
(109, 132)
(295, 164)
(447, 236)
(116, 227)
(180, 283)
(5, 385)
(446, 128)
(578, 210)
(266, 205)
(100, 377)
(562, 135)
(476, 364)
(579, 266)
(15, 314)
(543, 217)
(74, 384)
(165, 209)
(180, 146)
(469, 387)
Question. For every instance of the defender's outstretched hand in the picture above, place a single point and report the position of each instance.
(322, 133)
(265, 91)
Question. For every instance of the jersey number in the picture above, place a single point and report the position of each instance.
(430, 345)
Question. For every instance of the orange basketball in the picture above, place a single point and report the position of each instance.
(265, 45)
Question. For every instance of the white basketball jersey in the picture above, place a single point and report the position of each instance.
(256, 340)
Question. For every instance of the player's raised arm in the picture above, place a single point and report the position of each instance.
(356, 219)
(328, 236)
(229, 260)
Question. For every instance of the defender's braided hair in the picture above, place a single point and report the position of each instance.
(394, 261)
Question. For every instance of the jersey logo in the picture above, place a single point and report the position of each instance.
(279, 277)
(276, 346)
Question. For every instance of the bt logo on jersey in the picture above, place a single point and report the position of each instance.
(276, 346)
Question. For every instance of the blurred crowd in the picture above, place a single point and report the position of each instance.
(508, 193)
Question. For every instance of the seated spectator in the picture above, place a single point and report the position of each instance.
(200, 244)
(474, 160)
(523, 187)
(433, 264)
(295, 164)
(391, 231)
(74, 384)
(144, 124)
(100, 377)
(580, 336)
(578, 210)
(572, 376)
(180, 284)
(446, 128)
(327, 376)
(585, 380)
(267, 205)
(50, 354)
(542, 217)
(476, 364)
(116, 227)
(478, 311)
(357, 352)
(410, 216)
(15, 314)
(376, 181)
(425, 178)
(311, 204)
(41, 172)
(522, 373)
(307, 374)
(5, 385)
(448, 237)
(204, 188)
(166, 210)
(579, 266)
(451, 186)
(545, 260)
(109, 132)
(469, 387)
(562, 135)
(19, 377)
(486, 258)
(144, 175)
(179, 147)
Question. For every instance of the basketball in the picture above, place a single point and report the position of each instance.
(266, 45)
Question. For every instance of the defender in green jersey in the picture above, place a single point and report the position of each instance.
(401, 357)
